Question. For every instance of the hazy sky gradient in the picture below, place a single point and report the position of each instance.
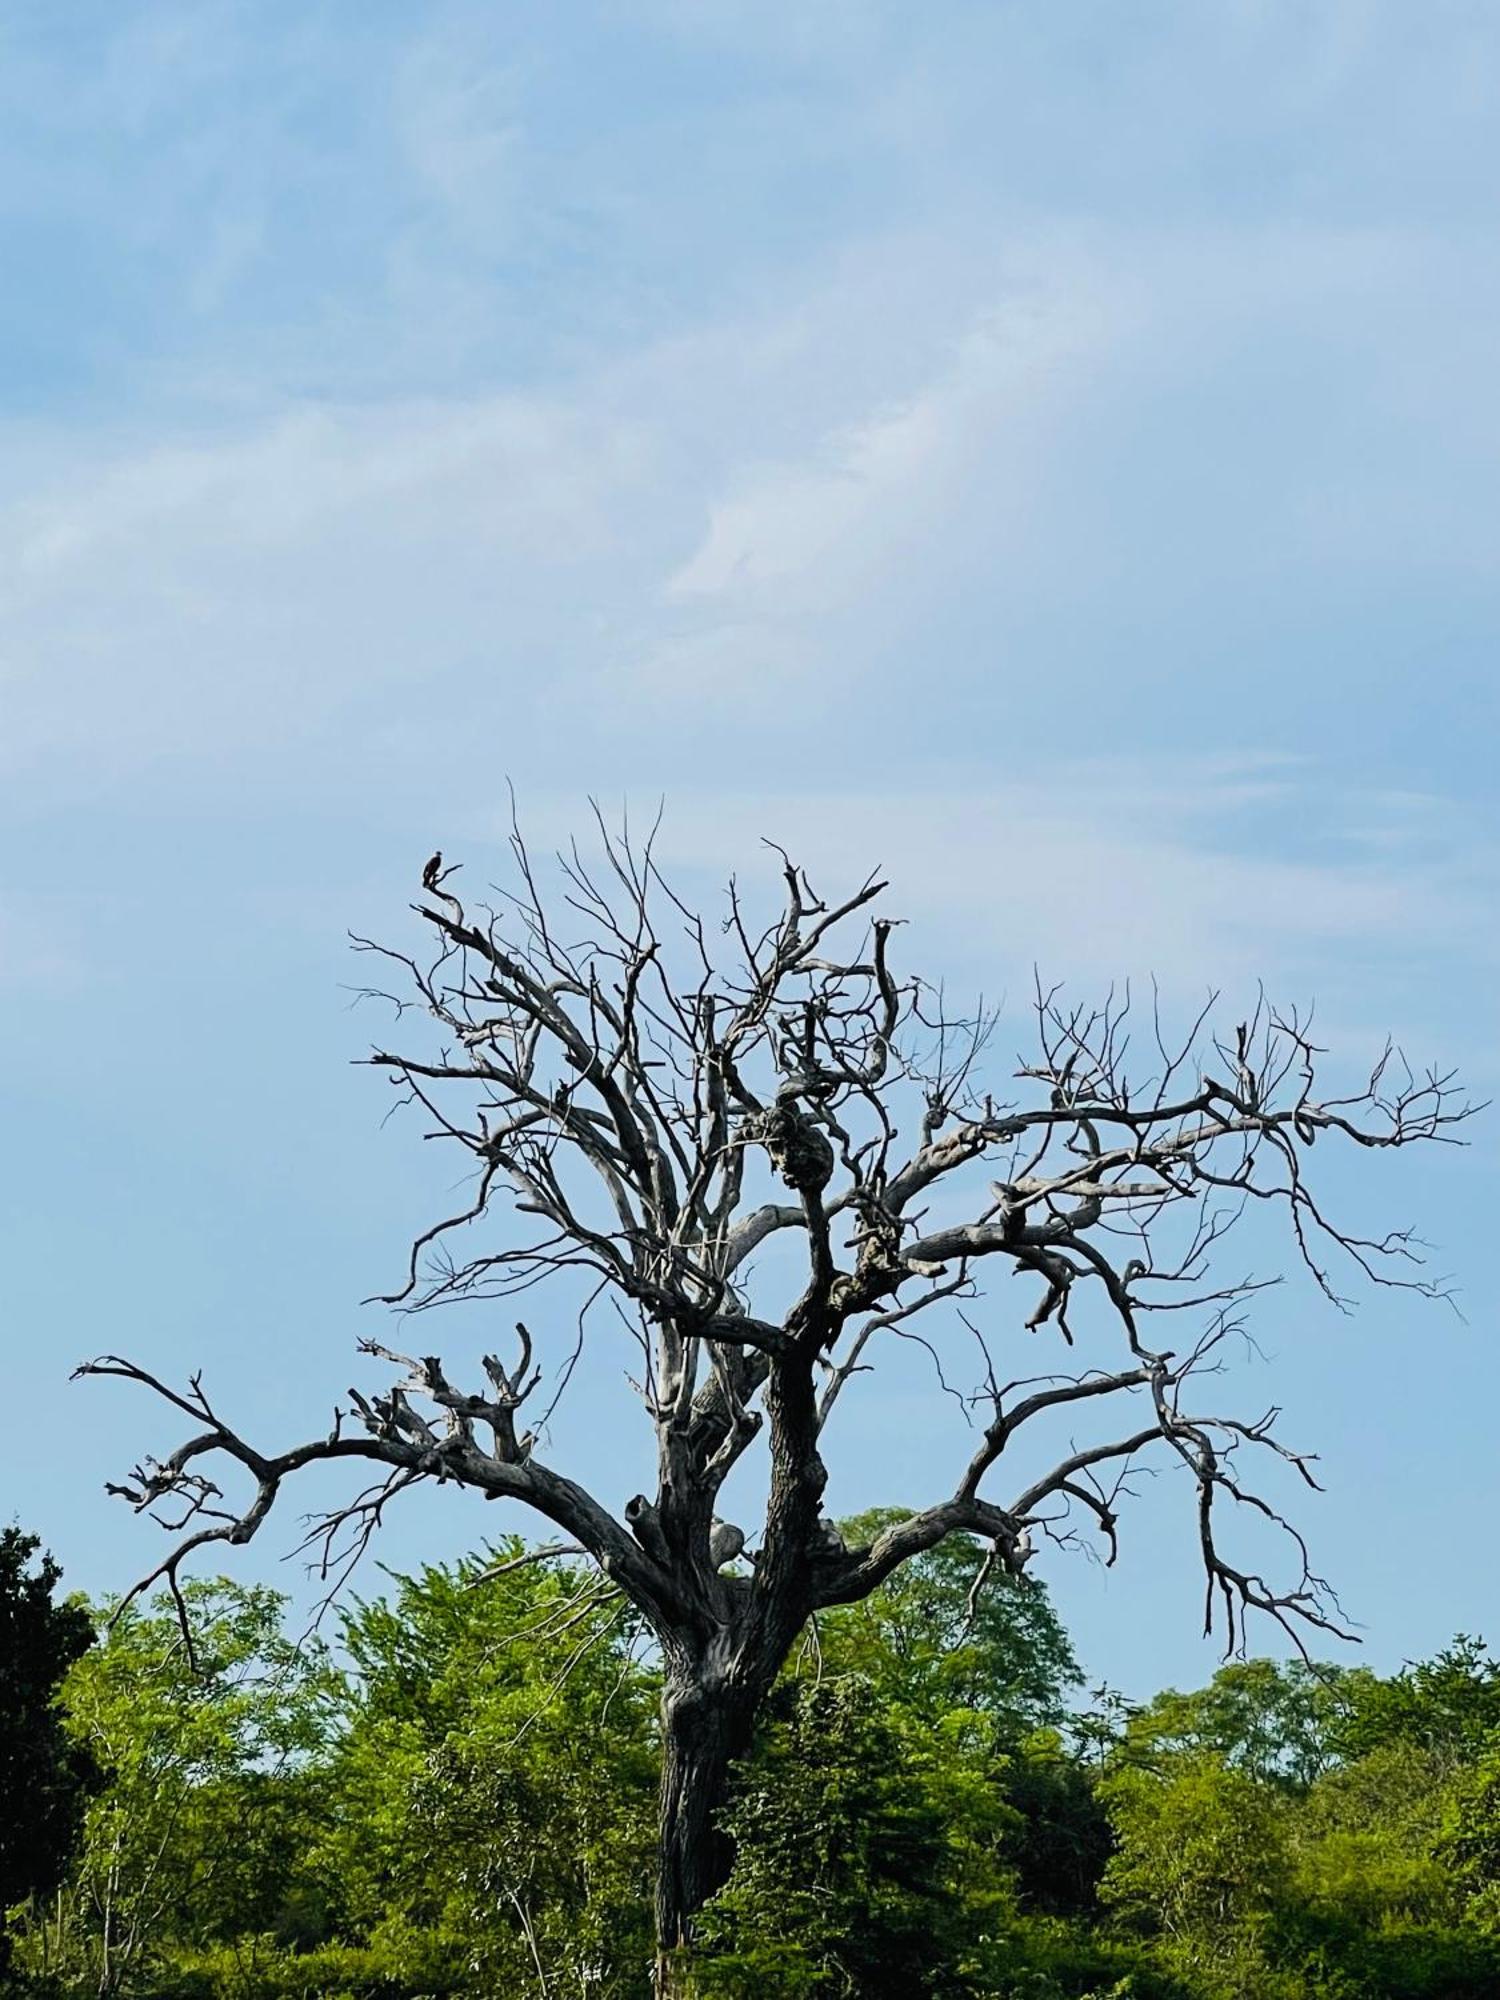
(1050, 452)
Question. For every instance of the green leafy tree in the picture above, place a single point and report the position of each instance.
(846, 1864)
(46, 1776)
(1060, 1839)
(493, 1795)
(1279, 1722)
(1364, 1841)
(971, 1660)
(878, 1808)
(204, 1745)
(1468, 1843)
(1290, 1831)
(950, 1633)
(1449, 1705)
(462, 1805)
(1201, 1863)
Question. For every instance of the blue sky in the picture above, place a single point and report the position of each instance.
(1049, 451)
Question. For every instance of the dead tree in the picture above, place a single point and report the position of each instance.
(646, 1106)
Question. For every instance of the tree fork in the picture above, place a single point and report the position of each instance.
(626, 1092)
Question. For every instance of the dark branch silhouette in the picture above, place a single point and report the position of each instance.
(646, 1105)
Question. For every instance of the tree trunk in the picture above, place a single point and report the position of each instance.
(705, 1727)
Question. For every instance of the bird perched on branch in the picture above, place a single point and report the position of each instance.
(433, 871)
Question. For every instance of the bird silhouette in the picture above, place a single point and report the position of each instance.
(433, 870)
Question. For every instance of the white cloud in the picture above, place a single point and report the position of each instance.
(790, 523)
(198, 595)
(815, 528)
(169, 594)
(783, 506)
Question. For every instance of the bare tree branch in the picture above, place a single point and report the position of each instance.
(775, 1158)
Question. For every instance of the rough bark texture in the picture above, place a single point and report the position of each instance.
(643, 1121)
(705, 1728)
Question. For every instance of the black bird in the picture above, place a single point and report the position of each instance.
(432, 871)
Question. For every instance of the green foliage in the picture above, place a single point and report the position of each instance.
(205, 1752)
(1321, 1957)
(847, 1859)
(1292, 1832)
(1275, 1723)
(876, 1841)
(1365, 1848)
(1060, 1838)
(459, 1801)
(465, 1808)
(1201, 1862)
(935, 1647)
(1469, 1842)
(1449, 1705)
(495, 1780)
(46, 1776)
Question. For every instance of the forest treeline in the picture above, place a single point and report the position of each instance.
(455, 1796)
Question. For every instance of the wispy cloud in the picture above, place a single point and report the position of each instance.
(805, 533)
(203, 594)
(1008, 481)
